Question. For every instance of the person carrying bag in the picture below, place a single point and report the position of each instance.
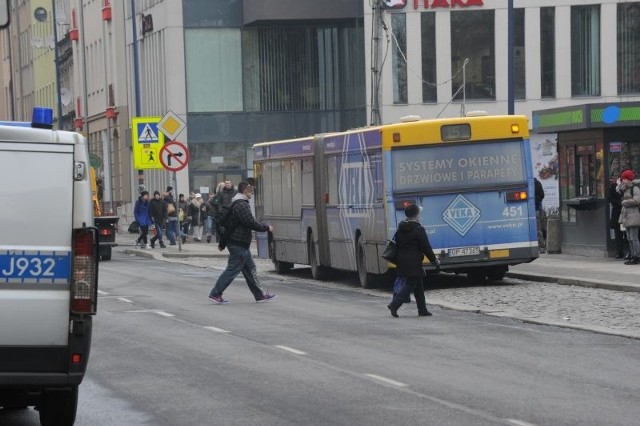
(412, 245)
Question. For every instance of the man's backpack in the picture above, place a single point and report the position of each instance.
(225, 223)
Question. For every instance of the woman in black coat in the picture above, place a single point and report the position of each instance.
(615, 199)
(413, 244)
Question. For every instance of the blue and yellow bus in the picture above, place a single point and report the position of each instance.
(335, 199)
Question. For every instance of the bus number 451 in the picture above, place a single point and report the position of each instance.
(512, 211)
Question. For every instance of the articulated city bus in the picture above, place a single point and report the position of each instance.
(335, 199)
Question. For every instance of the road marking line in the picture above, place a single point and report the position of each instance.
(288, 349)
(102, 293)
(216, 329)
(123, 299)
(519, 422)
(164, 314)
(384, 379)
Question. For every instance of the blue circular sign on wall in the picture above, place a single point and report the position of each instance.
(611, 114)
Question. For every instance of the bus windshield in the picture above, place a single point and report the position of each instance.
(451, 167)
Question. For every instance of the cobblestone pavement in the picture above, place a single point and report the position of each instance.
(600, 310)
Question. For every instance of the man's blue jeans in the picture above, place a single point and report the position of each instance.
(172, 229)
(240, 260)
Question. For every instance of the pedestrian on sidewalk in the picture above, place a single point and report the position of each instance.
(183, 217)
(542, 232)
(173, 226)
(141, 214)
(158, 213)
(413, 245)
(196, 213)
(630, 215)
(223, 199)
(239, 236)
(615, 199)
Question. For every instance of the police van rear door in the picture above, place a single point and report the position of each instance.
(36, 187)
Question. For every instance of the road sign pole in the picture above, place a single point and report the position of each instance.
(178, 236)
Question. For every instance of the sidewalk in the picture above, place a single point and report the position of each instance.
(606, 273)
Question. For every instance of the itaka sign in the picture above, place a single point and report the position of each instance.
(174, 156)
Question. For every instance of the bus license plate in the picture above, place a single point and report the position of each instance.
(464, 251)
(21, 266)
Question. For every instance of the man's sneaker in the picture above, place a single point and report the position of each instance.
(267, 297)
(218, 300)
(136, 243)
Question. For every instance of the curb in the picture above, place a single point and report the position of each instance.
(579, 282)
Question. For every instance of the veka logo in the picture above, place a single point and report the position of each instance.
(461, 215)
(394, 4)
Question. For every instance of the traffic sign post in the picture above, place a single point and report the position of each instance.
(174, 156)
(147, 142)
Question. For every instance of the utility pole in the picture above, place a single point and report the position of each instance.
(510, 59)
(376, 72)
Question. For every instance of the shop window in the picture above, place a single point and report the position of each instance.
(479, 47)
(584, 174)
(628, 48)
(548, 51)
(585, 50)
(623, 156)
(399, 59)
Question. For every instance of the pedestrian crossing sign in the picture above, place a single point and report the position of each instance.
(147, 141)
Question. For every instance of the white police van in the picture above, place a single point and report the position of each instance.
(48, 267)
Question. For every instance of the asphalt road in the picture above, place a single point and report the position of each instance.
(330, 354)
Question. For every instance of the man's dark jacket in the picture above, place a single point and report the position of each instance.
(413, 245)
(244, 223)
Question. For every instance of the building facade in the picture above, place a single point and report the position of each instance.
(444, 57)
(245, 71)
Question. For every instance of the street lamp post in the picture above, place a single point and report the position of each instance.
(510, 73)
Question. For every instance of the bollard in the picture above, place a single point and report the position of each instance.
(554, 235)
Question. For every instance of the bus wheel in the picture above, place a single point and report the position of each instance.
(366, 279)
(477, 276)
(497, 273)
(317, 271)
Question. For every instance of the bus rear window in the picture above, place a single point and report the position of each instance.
(450, 167)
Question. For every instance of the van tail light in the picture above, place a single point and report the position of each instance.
(517, 196)
(84, 282)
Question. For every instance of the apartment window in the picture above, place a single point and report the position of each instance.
(628, 48)
(548, 51)
(399, 63)
(585, 50)
(520, 89)
(213, 84)
(479, 47)
(428, 28)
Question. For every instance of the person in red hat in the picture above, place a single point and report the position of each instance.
(630, 215)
